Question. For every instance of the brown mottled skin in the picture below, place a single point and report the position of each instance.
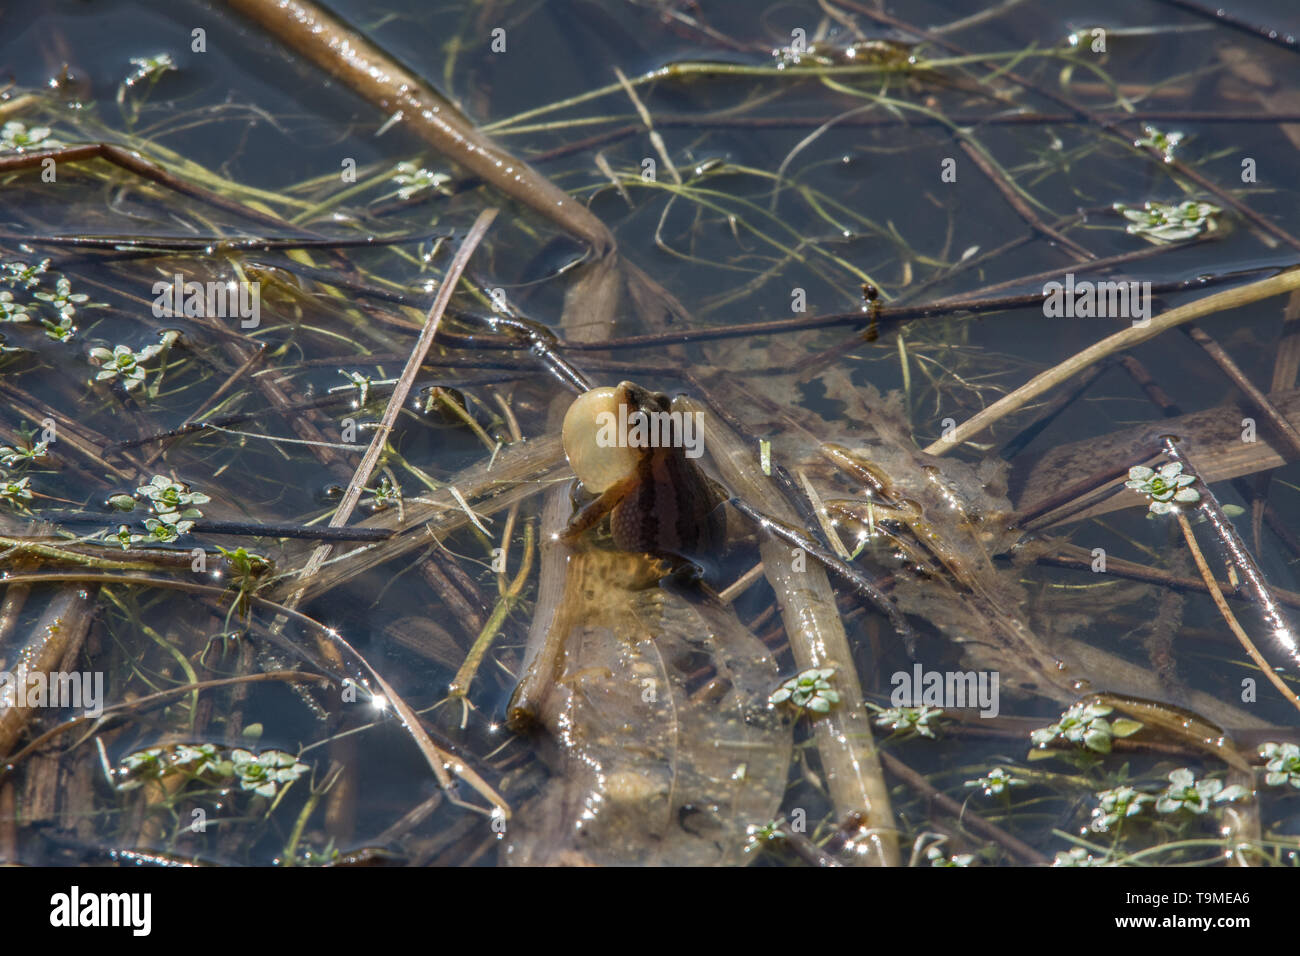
(672, 510)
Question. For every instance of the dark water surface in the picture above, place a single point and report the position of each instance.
(861, 198)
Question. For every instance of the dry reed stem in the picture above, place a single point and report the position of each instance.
(1134, 335)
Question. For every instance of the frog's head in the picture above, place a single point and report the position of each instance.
(594, 433)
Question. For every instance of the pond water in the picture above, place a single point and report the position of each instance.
(782, 182)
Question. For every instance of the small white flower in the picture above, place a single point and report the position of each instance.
(810, 690)
(996, 782)
(1165, 142)
(63, 298)
(1078, 856)
(1185, 792)
(1117, 804)
(265, 772)
(916, 720)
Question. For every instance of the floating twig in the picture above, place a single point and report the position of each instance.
(217, 245)
(1120, 341)
(1236, 553)
(1283, 429)
(403, 387)
(1259, 31)
(133, 162)
(1217, 596)
(833, 562)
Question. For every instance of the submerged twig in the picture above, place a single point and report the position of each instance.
(443, 763)
(319, 36)
(859, 581)
(150, 700)
(1236, 553)
(403, 386)
(1015, 847)
(1283, 429)
(1218, 14)
(1017, 202)
(817, 639)
(1221, 603)
(464, 677)
(57, 636)
(133, 162)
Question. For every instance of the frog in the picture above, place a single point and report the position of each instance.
(646, 697)
(638, 452)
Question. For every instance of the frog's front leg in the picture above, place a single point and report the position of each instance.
(590, 514)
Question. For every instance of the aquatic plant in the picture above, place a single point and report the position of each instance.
(266, 772)
(810, 690)
(1185, 792)
(1117, 804)
(996, 782)
(923, 721)
(1167, 487)
(1085, 724)
(1282, 763)
(415, 180)
(1160, 222)
(16, 137)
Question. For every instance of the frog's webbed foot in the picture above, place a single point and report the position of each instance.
(678, 573)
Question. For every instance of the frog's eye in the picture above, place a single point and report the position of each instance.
(595, 438)
(643, 398)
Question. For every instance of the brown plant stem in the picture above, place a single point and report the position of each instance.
(1017, 202)
(1111, 345)
(1236, 553)
(314, 33)
(1013, 845)
(1217, 596)
(1276, 421)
